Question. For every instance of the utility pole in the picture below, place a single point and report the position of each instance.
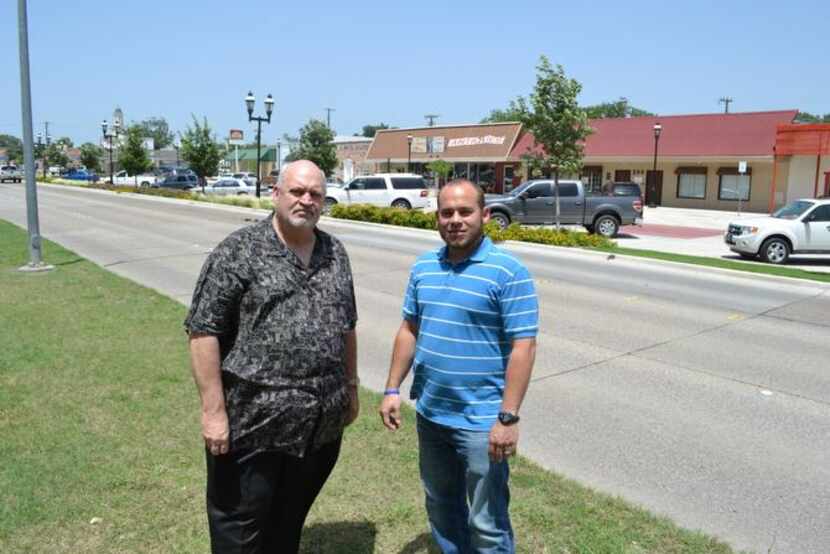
(431, 117)
(328, 116)
(33, 223)
(725, 100)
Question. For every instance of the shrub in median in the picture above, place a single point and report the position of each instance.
(421, 220)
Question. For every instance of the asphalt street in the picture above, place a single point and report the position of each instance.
(697, 393)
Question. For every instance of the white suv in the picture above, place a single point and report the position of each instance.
(800, 227)
(399, 190)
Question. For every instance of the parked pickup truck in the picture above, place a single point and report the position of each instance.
(800, 227)
(534, 202)
(144, 180)
(10, 173)
(399, 190)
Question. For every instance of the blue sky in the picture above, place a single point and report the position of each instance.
(395, 61)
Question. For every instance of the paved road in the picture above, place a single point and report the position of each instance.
(699, 394)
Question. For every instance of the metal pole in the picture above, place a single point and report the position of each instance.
(33, 223)
(109, 138)
(649, 193)
(46, 138)
(279, 157)
(258, 143)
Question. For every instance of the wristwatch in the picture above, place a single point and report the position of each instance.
(507, 418)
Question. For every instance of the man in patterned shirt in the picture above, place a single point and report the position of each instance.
(469, 326)
(274, 356)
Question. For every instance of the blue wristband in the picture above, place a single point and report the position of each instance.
(390, 392)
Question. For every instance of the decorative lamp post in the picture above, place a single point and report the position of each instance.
(408, 153)
(110, 136)
(177, 144)
(279, 156)
(42, 152)
(650, 192)
(269, 109)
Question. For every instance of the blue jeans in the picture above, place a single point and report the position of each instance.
(467, 496)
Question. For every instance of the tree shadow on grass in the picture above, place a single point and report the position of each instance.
(421, 544)
(346, 537)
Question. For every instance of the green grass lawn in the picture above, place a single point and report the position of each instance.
(99, 419)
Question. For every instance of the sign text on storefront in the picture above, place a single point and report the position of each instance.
(474, 141)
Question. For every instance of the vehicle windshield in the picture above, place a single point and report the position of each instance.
(793, 209)
(521, 188)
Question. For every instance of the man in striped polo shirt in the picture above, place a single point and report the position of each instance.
(470, 320)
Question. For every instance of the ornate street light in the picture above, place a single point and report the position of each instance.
(651, 190)
(250, 100)
(409, 153)
(110, 136)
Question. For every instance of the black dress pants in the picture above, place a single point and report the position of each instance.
(259, 505)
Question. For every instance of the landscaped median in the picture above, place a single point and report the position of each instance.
(565, 237)
(422, 220)
(102, 450)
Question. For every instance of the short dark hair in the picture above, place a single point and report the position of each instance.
(459, 182)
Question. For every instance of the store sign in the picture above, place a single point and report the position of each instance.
(435, 145)
(235, 136)
(475, 141)
(419, 145)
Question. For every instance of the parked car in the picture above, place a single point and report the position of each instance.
(534, 202)
(228, 186)
(10, 173)
(81, 175)
(144, 180)
(399, 190)
(246, 176)
(178, 182)
(800, 227)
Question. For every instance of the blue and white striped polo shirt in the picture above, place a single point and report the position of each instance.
(467, 315)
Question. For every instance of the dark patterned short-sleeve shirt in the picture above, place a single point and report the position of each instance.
(282, 334)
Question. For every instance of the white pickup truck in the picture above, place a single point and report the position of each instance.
(800, 227)
(10, 173)
(144, 180)
(398, 190)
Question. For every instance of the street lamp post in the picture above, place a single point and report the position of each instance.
(108, 135)
(279, 156)
(408, 153)
(650, 192)
(269, 109)
(177, 144)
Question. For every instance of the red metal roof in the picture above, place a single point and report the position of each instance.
(803, 139)
(734, 134)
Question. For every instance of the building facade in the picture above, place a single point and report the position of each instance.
(351, 158)
(480, 153)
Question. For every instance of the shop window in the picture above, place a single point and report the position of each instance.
(734, 187)
(691, 185)
(622, 175)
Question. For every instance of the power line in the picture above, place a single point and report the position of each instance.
(725, 100)
(328, 116)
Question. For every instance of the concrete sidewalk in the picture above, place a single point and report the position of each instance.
(698, 233)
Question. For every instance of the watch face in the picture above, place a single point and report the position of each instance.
(506, 418)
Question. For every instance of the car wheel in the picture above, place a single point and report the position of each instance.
(328, 204)
(775, 251)
(145, 183)
(500, 219)
(401, 204)
(607, 226)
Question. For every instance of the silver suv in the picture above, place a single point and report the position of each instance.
(800, 227)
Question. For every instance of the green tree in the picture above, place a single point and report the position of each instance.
(91, 156)
(65, 141)
(370, 130)
(807, 117)
(620, 108)
(440, 168)
(13, 146)
(200, 150)
(556, 121)
(56, 156)
(512, 113)
(315, 144)
(132, 156)
(157, 129)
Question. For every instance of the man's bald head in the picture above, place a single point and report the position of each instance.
(479, 192)
(304, 168)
